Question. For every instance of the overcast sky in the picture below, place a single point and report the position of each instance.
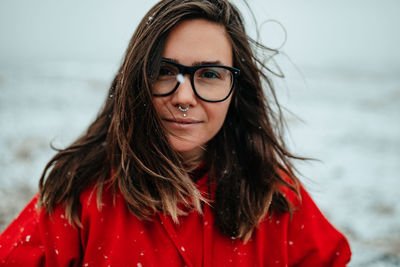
(321, 33)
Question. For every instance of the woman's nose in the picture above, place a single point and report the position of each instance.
(184, 94)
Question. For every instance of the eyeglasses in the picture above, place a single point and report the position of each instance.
(210, 82)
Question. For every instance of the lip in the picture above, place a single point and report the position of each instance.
(178, 123)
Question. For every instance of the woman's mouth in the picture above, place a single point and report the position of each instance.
(182, 123)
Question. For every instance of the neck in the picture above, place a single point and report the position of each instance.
(192, 159)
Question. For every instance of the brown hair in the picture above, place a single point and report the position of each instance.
(126, 147)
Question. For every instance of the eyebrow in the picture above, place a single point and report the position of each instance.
(198, 63)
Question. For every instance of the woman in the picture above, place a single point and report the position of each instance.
(183, 166)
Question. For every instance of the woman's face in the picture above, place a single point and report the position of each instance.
(190, 43)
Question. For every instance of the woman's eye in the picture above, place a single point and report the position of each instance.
(165, 72)
(210, 74)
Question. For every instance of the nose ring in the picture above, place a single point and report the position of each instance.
(183, 109)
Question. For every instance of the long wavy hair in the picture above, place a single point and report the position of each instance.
(126, 148)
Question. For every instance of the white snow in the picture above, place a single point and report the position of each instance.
(180, 78)
(351, 124)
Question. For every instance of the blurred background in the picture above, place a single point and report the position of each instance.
(342, 93)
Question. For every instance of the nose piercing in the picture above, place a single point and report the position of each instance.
(183, 109)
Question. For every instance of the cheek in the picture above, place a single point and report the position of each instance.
(217, 115)
(158, 104)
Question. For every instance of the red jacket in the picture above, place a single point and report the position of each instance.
(113, 236)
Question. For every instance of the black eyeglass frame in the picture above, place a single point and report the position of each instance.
(191, 71)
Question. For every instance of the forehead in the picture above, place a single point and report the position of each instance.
(198, 40)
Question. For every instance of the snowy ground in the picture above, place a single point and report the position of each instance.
(350, 123)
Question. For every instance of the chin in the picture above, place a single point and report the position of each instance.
(186, 147)
(183, 147)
